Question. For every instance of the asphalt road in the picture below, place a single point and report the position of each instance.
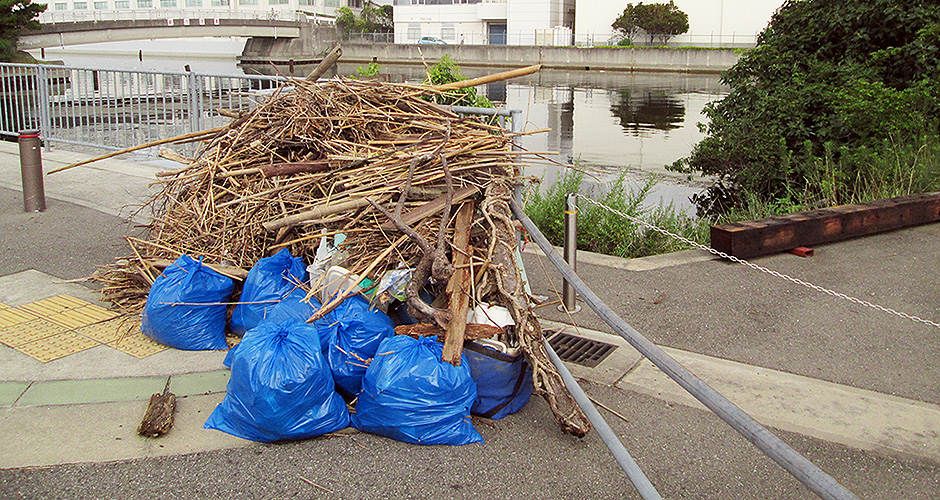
(687, 453)
(709, 307)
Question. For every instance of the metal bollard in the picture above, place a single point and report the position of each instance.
(34, 196)
(569, 297)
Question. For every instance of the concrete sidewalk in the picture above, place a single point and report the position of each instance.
(797, 360)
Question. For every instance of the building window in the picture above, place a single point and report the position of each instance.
(167, 3)
(247, 2)
(220, 3)
(277, 2)
(414, 31)
(448, 32)
(144, 4)
(331, 3)
(194, 3)
(122, 4)
(80, 5)
(355, 4)
(61, 6)
(307, 2)
(101, 5)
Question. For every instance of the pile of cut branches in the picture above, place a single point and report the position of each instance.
(408, 182)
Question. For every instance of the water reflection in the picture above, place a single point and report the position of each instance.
(614, 124)
(645, 110)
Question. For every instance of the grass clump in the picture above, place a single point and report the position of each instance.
(602, 231)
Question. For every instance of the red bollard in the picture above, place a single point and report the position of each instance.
(34, 196)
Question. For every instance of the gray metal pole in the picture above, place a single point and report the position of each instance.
(34, 196)
(568, 293)
(797, 465)
(621, 455)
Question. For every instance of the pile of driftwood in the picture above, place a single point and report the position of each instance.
(409, 182)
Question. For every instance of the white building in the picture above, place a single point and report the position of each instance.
(552, 22)
(711, 22)
(80, 10)
(497, 22)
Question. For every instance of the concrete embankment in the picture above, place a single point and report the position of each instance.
(575, 58)
(261, 53)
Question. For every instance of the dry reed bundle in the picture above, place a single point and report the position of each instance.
(409, 182)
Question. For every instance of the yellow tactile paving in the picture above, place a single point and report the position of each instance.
(53, 305)
(138, 345)
(56, 346)
(29, 331)
(105, 332)
(4, 306)
(14, 316)
(82, 316)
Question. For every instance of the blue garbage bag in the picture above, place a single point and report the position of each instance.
(272, 278)
(504, 382)
(280, 387)
(410, 395)
(292, 310)
(353, 340)
(187, 327)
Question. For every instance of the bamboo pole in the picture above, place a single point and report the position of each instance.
(495, 77)
(142, 146)
(325, 64)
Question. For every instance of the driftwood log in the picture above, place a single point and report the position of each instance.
(506, 283)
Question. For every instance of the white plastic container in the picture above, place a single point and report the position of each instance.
(490, 315)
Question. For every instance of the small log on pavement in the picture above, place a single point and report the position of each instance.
(474, 331)
(159, 416)
(458, 288)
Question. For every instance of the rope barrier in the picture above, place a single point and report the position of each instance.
(762, 269)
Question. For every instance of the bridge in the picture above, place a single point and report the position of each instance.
(78, 30)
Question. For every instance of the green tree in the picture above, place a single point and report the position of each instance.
(16, 16)
(657, 20)
(376, 18)
(373, 18)
(345, 20)
(626, 23)
(831, 91)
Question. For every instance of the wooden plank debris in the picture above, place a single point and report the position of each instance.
(458, 288)
(816, 227)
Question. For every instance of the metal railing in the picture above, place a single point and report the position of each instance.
(116, 109)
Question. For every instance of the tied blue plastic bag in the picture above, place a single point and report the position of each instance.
(272, 279)
(410, 395)
(280, 387)
(187, 325)
(353, 340)
(504, 381)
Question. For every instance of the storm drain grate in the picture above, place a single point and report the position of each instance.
(579, 350)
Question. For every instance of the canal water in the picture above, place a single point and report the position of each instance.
(608, 123)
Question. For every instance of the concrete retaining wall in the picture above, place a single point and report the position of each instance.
(574, 58)
(312, 45)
